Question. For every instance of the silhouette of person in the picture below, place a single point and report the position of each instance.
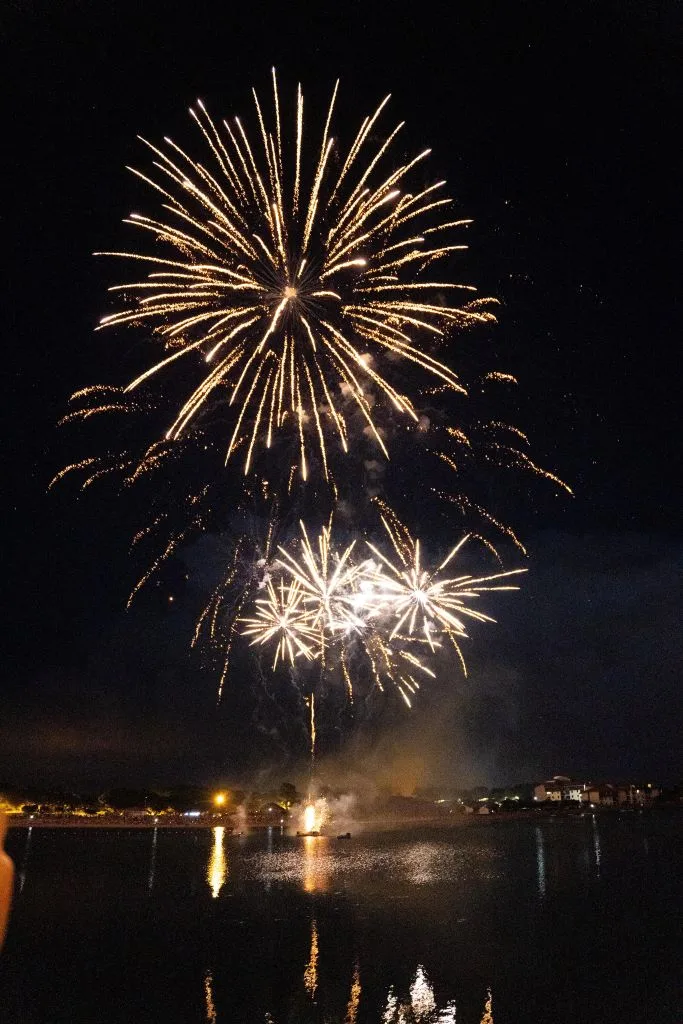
(6, 880)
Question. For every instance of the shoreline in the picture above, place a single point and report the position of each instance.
(357, 825)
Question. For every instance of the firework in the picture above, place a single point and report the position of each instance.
(328, 579)
(287, 289)
(309, 818)
(392, 614)
(289, 277)
(422, 600)
(282, 616)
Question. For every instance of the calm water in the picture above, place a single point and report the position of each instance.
(570, 921)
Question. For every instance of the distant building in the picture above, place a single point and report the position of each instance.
(554, 789)
(632, 795)
(605, 794)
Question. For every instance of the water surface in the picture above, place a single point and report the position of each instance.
(512, 922)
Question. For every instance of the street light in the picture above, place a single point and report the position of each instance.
(219, 799)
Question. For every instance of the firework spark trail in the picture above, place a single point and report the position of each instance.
(83, 464)
(424, 600)
(326, 578)
(282, 616)
(301, 276)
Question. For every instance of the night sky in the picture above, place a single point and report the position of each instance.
(558, 128)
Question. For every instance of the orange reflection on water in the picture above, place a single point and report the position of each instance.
(316, 863)
(311, 969)
(217, 868)
(488, 1009)
(354, 997)
(211, 1017)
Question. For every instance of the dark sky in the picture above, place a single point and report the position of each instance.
(558, 128)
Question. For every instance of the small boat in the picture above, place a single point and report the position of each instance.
(344, 835)
(305, 835)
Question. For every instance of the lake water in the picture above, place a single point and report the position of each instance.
(563, 921)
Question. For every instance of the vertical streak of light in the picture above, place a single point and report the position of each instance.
(311, 969)
(422, 995)
(596, 845)
(152, 861)
(312, 702)
(217, 868)
(278, 133)
(354, 997)
(24, 859)
(211, 1016)
(540, 862)
(299, 131)
(487, 1017)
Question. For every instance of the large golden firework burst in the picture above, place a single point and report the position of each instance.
(300, 286)
(289, 295)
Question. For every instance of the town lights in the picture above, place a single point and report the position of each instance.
(219, 799)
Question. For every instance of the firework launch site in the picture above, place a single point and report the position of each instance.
(330, 812)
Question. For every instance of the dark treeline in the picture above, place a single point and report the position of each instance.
(180, 798)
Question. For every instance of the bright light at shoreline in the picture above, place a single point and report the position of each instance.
(309, 818)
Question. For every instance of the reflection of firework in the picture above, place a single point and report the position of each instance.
(421, 1008)
(290, 279)
(414, 1003)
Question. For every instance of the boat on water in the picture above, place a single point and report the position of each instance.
(305, 835)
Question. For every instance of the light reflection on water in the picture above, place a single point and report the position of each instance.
(422, 1001)
(392, 928)
(421, 1007)
(317, 863)
(312, 865)
(311, 969)
(596, 844)
(211, 1017)
(354, 997)
(418, 1007)
(540, 861)
(217, 868)
(152, 861)
(24, 859)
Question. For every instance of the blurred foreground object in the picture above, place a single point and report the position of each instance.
(6, 879)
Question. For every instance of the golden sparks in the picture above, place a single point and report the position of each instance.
(290, 279)
(389, 611)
